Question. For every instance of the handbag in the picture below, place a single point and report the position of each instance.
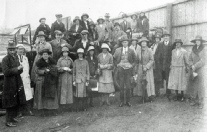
(92, 84)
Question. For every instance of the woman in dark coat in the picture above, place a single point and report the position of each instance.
(13, 91)
(84, 21)
(46, 96)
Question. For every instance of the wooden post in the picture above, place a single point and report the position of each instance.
(169, 19)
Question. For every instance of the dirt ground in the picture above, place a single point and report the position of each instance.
(158, 116)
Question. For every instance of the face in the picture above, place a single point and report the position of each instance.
(142, 14)
(117, 28)
(80, 55)
(84, 36)
(134, 42)
(157, 40)
(125, 44)
(166, 38)
(104, 50)
(41, 38)
(58, 36)
(11, 51)
(91, 52)
(133, 17)
(59, 19)
(34, 47)
(178, 45)
(85, 18)
(144, 44)
(100, 21)
(198, 42)
(77, 22)
(45, 56)
(91, 27)
(107, 17)
(65, 53)
(20, 51)
(43, 21)
(125, 18)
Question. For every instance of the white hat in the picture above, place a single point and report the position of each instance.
(91, 48)
(20, 46)
(105, 46)
(80, 50)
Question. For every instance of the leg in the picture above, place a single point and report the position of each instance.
(176, 95)
(182, 96)
(121, 78)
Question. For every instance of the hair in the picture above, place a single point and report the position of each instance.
(65, 51)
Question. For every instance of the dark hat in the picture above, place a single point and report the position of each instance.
(76, 18)
(116, 23)
(178, 41)
(41, 33)
(11, 44)
(134, 39)
(142, 40)
(58, 32)
(158, 36)
(124, 38)
(59, 15)
(124, 15)
(100, 18)
(84, 32)
(84, 14)
(92, 23)
(165, 32)
(45, 51)
(134, 15)
(198, 38)
(107, 15)
(42, 19)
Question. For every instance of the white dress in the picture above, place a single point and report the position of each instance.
(25, 77)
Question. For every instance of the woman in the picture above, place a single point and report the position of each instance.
(179, 66)
(134, 23)
(81, 77)
(93, 66)
(46, 97)
(134, 45)
(145, 71)
(65, 85)
(105, 86)
(40, 45)
(198, 67)
(102, 30)
(93, 34)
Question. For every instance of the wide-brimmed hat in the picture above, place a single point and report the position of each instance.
(100, 18)
(84, 14)
(59, 15)
(41, 33)
(80, 50)
(92, 23)
(107, 15)
(11, 44)
(134, 15)
(165, 32)
(42, 19)
(20, 46)
(45, 51)
(91, 48)
(134, 39)
(158, 36)
(116, 23)
(105, 46)
(124, 38)
(76, 18)
(142, 40)
(198, 38)
(84, 32)
(178, 41)
(124, 15)
(58, 32)
(65, 48)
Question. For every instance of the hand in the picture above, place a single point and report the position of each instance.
(145, 69)
(193, 67)
(74, 83)
(74, 34)
(47, 71)
(20, 67)
(87, 83)
(49, 36)
(92, 43)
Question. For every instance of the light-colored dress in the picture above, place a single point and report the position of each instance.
(105, 82)
(65, 85)
(26, 77)
(178, 75)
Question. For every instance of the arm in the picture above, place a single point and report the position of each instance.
(60, 69)
(110, 65)
(87, 71)
(151, 61)
(9, 71)
(74, 71)
(202, 60)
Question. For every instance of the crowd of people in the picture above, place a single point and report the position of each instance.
(71, 67)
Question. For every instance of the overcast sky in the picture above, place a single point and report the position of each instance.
(20, 12)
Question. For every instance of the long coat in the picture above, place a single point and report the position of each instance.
(26, 77)
(72, 30)
(93, 65)
(45, 28)
(125, 27)
(65, 85)
(46, 93)
(12, 83)
(146, 59)
(85, 26)
(198, 59)
(93, 35)
(57, 26)
(143, 26)
(178, 75)
(110, 28)
(102, 32)
(57, 48)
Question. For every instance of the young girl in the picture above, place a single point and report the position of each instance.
(81, 77)
(65, 86)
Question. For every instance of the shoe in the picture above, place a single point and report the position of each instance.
(121, 104)
(128, 104)
(16, 120)
(20, 115)
(182, 99)
(10, 124)
(30, 113)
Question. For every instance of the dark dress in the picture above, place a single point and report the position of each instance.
(45, 28)
(57, 26)
(72, 37)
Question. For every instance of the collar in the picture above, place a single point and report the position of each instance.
(84, 41)
(58, 22)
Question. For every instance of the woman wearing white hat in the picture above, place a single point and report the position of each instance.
(81, 75)
(105, 62)
(102, 30)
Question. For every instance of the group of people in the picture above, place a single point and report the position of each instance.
(56, 73)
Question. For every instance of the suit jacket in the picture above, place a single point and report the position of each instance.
(93, 35)
(56, 26)
(143, 26)
(72, 30)
(116, 35)
(126, 26)
(93, 64)
(82, 23)
(45, 28)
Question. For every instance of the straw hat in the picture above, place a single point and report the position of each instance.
(80, 50)
(20, 46)
(105, 46)
(91, 48)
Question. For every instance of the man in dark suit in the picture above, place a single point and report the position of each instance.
(166, 53)
(84, 21)
(42, 27)
(124, 59)
(57, 25)
(126, 26)
(143, 25)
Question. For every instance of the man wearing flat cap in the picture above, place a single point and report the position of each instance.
(42, 27)
(57, 25)
(84, 21)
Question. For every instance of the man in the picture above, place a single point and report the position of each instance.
(126, 26)
(143, 25)
(57, 45)
(42, 27)
(57, 25)
(166, 53)
(157, 52)
(116, 36)
(109, 25)
(84, 21)
(124, 59)
(13, 91)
